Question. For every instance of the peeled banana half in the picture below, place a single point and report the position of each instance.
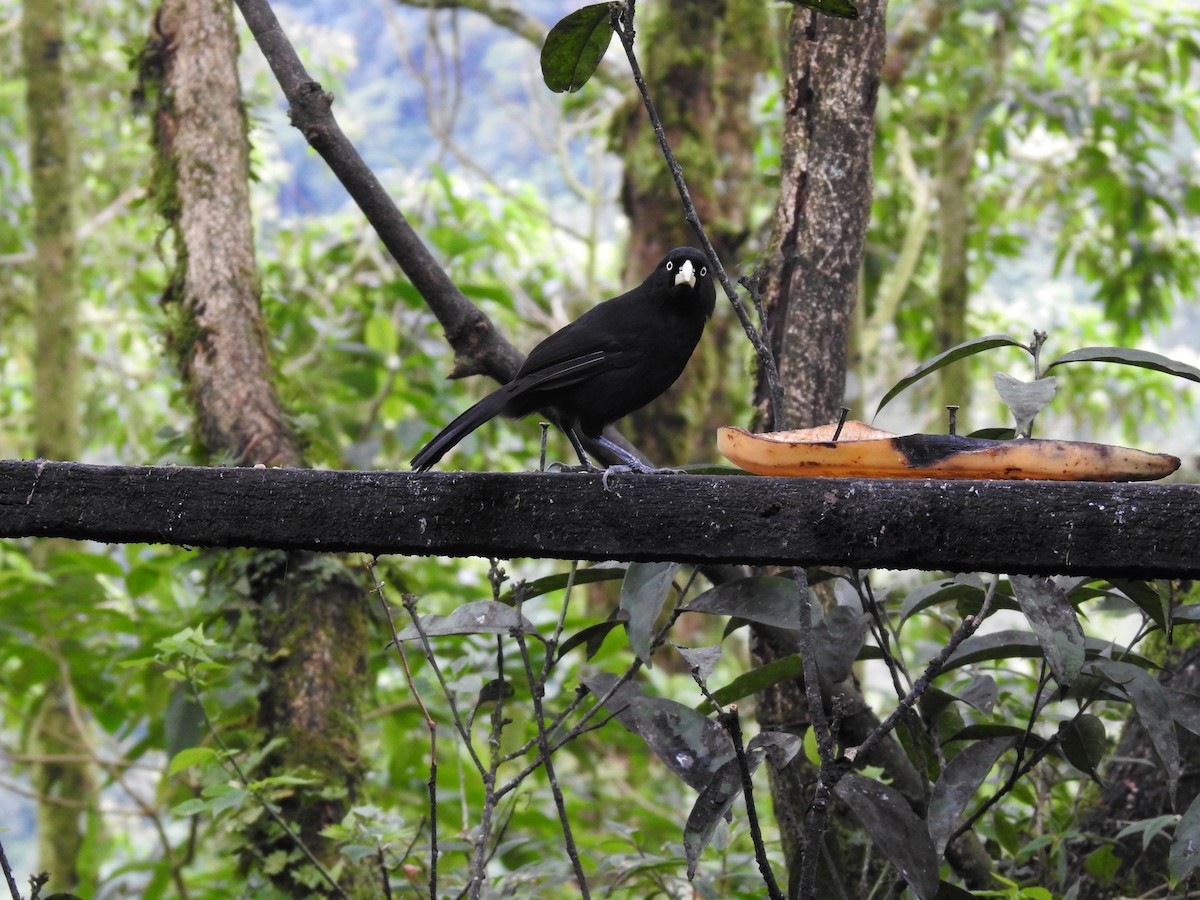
(862, 451)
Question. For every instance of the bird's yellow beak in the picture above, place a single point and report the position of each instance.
(687, 273)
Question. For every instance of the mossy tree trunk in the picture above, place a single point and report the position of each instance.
(701, 61)
(1133, 789)
(810, 288)
(311, 615)
(58, 737)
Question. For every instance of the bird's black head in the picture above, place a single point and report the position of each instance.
(684, 274)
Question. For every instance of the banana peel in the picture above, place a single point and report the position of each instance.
(862, 451)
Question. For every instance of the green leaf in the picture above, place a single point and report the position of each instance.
(593, 636)
(1143, 359)
(192, 756)
(1025, 399)
(1013, 644)
(896, 830)
(777, 670)
(1149, 829)
(960, 780)
(840, 9)
(575, 46)
(1185, 849)
(1146, 598)
(1102, 864)
(954, 354)
(558, 582)
(643, 593)
(1150, 704)
(769, 600)
(1053, 620)
(962, 587)
(1084, 742)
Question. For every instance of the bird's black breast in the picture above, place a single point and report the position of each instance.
(619, 355)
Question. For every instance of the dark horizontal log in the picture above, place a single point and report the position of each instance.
(1146, 530)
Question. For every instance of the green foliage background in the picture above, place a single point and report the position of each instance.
(1085, 201)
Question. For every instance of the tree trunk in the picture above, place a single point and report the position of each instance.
(311, 615)
(701, 61)
(833, 73)
(63, 788)
(1134, 789)
(810, 287)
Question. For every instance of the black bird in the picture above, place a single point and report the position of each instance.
(615, 358)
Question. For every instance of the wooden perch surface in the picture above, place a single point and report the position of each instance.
(1139, 530)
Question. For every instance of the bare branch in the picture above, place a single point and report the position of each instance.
(479, 348)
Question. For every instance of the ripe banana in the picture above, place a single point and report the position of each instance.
(865, 452)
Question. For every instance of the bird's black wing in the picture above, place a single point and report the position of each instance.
(559, 373)
(601, 338)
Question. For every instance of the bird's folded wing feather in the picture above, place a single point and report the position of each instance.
(563, 372)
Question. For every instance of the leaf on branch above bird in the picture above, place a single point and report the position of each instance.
(954, 354)
(1025, 399)
(840, 9)
(1143, 359)
(575, 46)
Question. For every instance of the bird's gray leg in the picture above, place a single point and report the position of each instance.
(629, 462)
(578, 445)
(585, 464)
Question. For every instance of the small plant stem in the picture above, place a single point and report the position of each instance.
(622, 23)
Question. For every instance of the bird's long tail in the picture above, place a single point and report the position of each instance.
(488, 408)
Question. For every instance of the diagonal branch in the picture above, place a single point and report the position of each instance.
(479, 348)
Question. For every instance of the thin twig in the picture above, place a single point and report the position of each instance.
(254, 792)
(964, 631)
(430, 725)
(478, 870)
(537, 687)
(8, 874)
(384, 875)
(622, 23)
(818, 811)
(732, 725)
(410, 605)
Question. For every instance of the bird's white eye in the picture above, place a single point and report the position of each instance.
(670, 266)
(703, 271)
